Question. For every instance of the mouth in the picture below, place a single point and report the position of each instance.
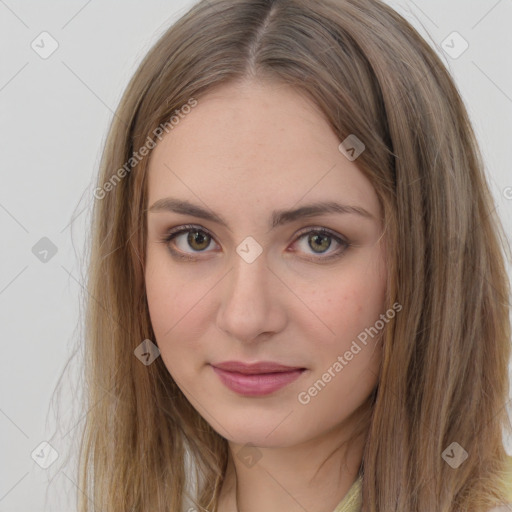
(256, 379)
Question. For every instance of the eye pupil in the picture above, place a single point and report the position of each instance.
(316, 236)
(200, 238)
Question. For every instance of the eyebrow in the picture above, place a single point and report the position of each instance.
(279, 217)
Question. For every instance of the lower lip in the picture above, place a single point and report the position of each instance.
(257, 384)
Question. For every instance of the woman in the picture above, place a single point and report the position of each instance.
(298, 295)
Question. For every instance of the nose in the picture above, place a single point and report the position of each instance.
(251, 301)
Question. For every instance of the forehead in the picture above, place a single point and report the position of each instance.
(255, 141)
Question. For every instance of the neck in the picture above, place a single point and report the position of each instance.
(291, 478)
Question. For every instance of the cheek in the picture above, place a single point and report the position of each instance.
(178, 306)
(167, 299)
(347, 366)
(162, 297)
(352, 301)
(166, 308)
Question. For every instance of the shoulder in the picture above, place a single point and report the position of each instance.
(353, 500)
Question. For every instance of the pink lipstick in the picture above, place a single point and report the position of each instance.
(256, 379)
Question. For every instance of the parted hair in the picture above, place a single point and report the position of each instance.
(444, 368)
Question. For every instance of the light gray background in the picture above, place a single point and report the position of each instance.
(54, 114)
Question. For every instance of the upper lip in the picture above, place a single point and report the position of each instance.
(255, 368)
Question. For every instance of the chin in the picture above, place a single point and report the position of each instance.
(265, 434)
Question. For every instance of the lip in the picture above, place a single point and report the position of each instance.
(256, 379)
(255, 368)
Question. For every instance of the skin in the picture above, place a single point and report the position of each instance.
(245, 150)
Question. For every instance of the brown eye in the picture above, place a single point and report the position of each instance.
(198, 240)
(319, 241)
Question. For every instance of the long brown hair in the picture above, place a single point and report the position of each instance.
(444, 372)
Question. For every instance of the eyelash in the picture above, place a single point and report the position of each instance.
(172, 234)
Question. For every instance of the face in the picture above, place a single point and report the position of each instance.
(236, 277)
